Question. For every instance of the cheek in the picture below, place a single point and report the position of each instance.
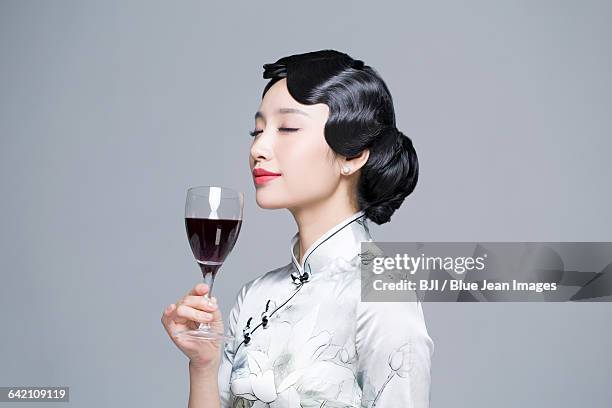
(308, 168)
(309, 174)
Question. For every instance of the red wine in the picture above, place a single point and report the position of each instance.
(211, 240)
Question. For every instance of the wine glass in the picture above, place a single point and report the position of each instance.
(213, 217)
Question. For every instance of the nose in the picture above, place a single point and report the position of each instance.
(261, 149)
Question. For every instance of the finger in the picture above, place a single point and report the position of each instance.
(184, 313)
(168, 320)
(171, 316)
(168, 311)
(199, 289)
(201, 302)
(172, 324)
(167, 314)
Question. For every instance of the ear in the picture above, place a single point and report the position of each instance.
(350, 166)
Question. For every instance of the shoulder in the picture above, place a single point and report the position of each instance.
(395, 318)
(404, 326)
(409, 309)
(410, 305)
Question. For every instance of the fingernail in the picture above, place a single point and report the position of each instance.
(214, 299)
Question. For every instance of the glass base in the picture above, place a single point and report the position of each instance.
(204, 333)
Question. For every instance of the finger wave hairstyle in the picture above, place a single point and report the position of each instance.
(361, 117)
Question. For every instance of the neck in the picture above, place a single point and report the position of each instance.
(316, 220)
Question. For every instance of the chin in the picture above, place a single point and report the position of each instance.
(268, 201)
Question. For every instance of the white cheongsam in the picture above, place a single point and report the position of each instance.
(304, 338)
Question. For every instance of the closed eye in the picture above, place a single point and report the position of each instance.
(256, 132)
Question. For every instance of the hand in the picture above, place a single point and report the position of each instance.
(186, 314)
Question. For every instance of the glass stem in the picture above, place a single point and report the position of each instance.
(209, 280)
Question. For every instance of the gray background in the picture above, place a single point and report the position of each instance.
(110, 110)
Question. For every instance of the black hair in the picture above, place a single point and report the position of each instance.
(361, 115)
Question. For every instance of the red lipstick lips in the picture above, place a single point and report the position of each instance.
(261, 176)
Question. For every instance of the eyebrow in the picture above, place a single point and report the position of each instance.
(281, 111)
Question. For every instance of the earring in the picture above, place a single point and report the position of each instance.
(346, 169)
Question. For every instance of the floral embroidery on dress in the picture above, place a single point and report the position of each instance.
(284, 375)
(399, 363)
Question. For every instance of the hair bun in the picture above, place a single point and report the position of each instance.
(391, 141)
(391, 175)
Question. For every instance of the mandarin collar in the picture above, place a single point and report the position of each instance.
(343, 240)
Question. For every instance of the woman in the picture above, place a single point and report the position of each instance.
(326, 148)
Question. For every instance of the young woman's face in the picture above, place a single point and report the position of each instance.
(289, 141)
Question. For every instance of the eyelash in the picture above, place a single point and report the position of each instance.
(256, 132)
